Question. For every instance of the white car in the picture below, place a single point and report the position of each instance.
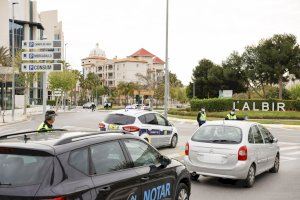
(232, 149)
(151, 126)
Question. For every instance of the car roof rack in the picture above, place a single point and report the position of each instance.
(26, 133)
(86, 136)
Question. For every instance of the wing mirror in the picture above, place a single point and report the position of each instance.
(164, 161)
(275, 140)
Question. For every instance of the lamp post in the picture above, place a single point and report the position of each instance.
(13, 63)
(166, 96)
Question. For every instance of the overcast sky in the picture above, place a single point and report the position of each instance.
(198, 28)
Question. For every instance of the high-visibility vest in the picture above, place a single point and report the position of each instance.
(203, 117)
(44, 127)
(232, 117)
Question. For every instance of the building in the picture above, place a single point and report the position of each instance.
(28, 25)
(113, 71)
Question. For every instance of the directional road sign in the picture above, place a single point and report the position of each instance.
(41, 44)
(41, 55)
(41, 67)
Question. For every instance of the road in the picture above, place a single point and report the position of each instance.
(282, 186)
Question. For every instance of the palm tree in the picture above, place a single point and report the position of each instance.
(4, 56)
(126, 89)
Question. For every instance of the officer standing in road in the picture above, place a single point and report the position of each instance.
(231, 115)
(47, 125)
(201, 117)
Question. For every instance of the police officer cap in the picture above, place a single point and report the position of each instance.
(50, 113)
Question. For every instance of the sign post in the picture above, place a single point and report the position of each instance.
(45, 53)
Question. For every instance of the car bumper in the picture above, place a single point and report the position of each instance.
(239, 171)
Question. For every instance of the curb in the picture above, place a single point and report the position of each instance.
(27, 118)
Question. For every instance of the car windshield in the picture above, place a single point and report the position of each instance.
(218, 134)
(119, 119)
(22, 170)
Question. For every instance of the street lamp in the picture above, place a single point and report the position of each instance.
(13, 62)
(166, 97)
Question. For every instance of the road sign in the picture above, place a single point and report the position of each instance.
(41, 67)
(41, 44)
(57, 93)
(41, 56)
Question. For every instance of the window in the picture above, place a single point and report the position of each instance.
(161, 121)
(251, 137)
(150, 119)
(108, 157)
(218, 134)
(23, 169)
(79, 160)
(268, 138)
(257, 136)
(141, 153)
(119, 119)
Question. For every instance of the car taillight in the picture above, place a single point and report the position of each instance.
(101, 125)
(187, 149)
(242, 154)
(131, 128)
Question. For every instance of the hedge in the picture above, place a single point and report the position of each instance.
(217, 105)
(51, 102)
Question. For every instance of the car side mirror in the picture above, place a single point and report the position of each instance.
(275, 140)
(164, 161)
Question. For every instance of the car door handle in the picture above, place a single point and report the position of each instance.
(146, 178)
(105, 189)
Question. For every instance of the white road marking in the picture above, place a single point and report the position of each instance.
(289, 148)
(293, 153)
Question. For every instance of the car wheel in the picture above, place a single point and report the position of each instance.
(182, 192)
(249, 181)
(194, 176)
(174, 141)
(275, 168)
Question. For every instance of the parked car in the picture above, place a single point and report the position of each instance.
(232, 150)
(149, 125)
(87, 166)
(88, 105)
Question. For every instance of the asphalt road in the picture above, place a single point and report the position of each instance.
(282, 186)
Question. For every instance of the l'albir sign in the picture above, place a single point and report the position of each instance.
(265, 106)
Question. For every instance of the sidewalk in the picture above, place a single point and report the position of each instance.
(19, 117)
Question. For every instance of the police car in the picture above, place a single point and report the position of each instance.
(63, 165)
(149, 125)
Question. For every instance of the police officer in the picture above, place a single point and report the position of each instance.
(47, 125)
(201, 117)
(231, 115)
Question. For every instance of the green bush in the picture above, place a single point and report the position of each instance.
(51, 102)
(211, 105)
(295, 92)
(218, 105)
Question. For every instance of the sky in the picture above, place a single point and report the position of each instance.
(198, 29)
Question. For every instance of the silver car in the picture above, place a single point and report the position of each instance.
(232, 149)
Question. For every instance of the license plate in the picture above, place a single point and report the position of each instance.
(211, 158)
(113, 127)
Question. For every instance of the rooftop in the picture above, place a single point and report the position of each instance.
(142, 53)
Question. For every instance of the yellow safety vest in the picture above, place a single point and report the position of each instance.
(44, 127)
(231, 117)
(203, 117)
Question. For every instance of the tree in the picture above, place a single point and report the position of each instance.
(258, 73)
(174, 81)
(64, 81)
(234, 73)
(92, 81)
(4, 57)
(208, 79)
(126, 89)
(282, 54)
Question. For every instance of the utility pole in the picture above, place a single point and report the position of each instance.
(13, 63)
(166, 97)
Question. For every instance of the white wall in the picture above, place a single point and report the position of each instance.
(128, 70)
(4, 23)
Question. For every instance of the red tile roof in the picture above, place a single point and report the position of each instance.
(157, 60)
(142, 52)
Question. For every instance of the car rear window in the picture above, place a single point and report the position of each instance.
(22, 168)
(218, 134)
(119, 119)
